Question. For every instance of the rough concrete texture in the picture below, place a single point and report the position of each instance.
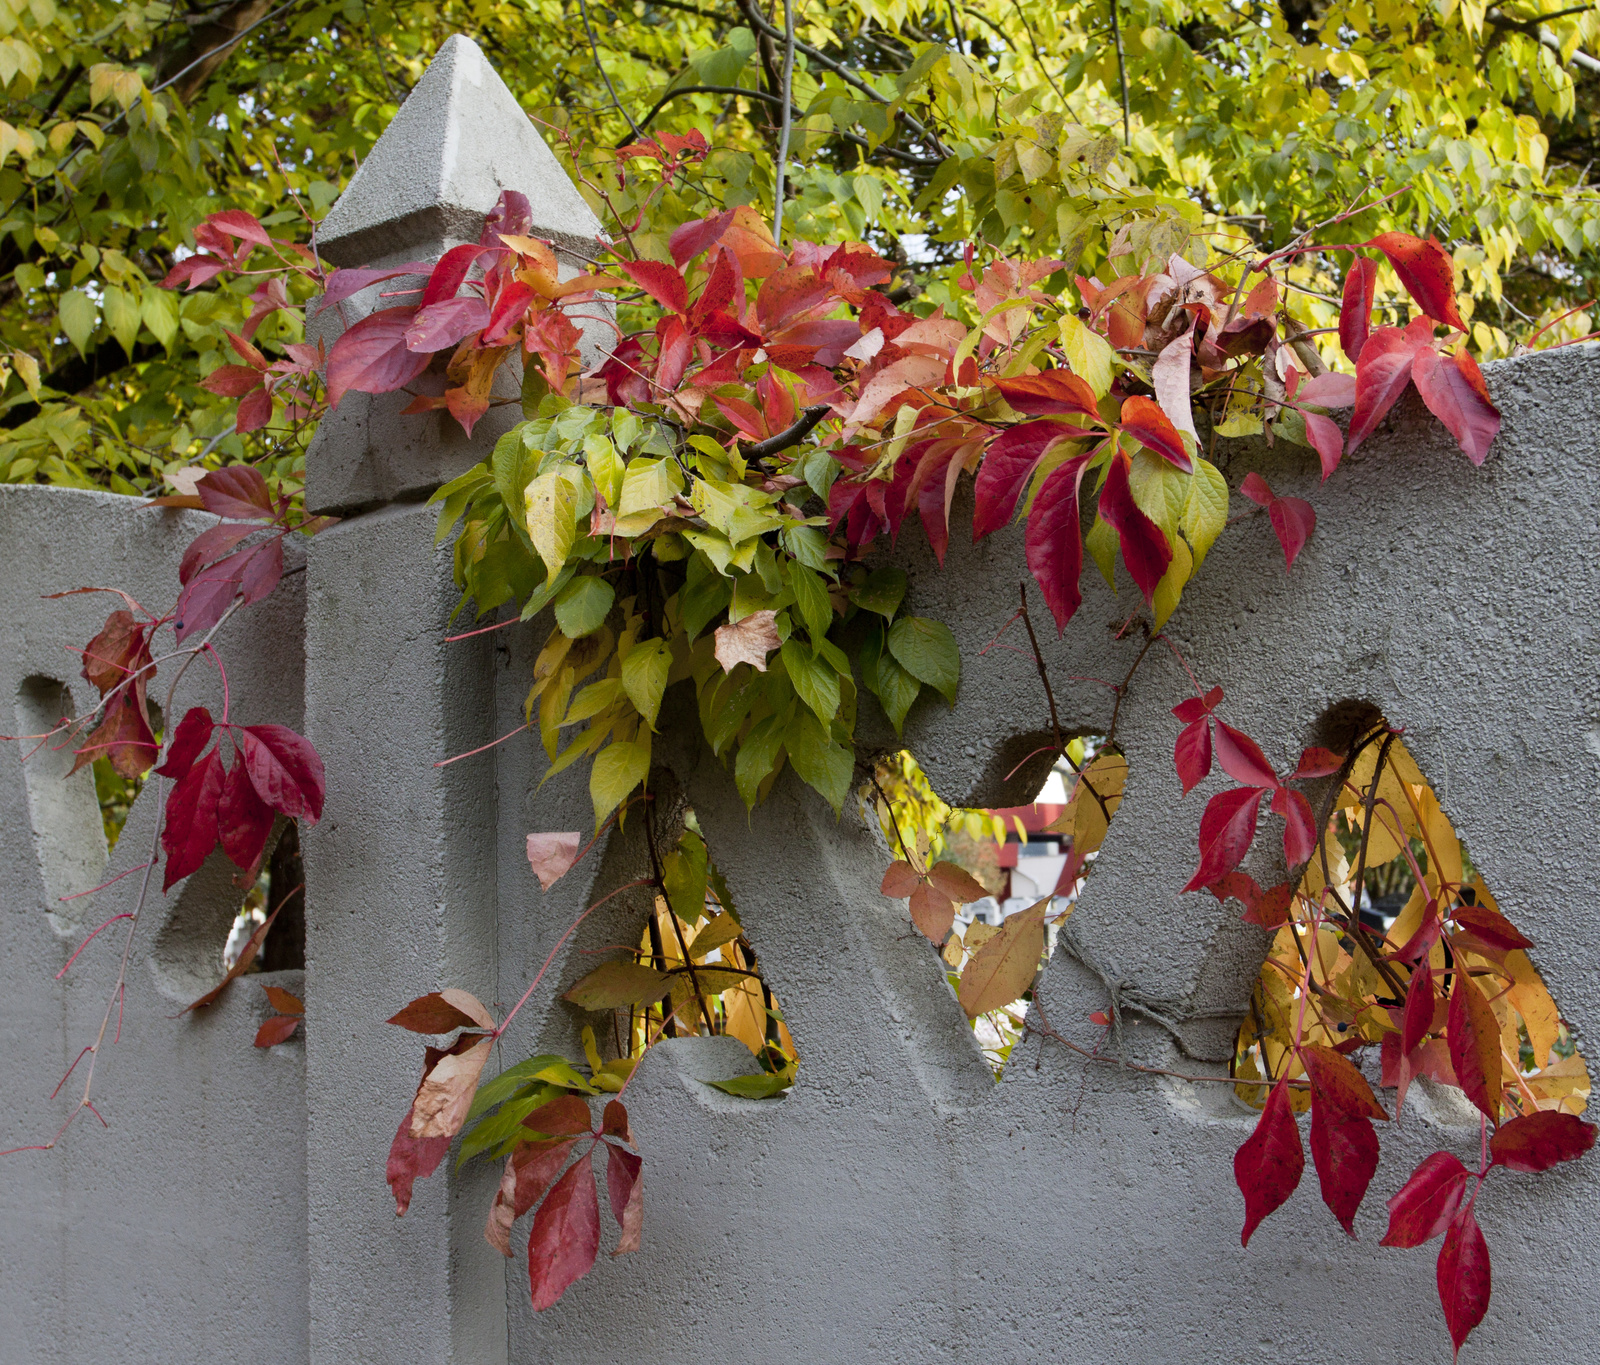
(458, 141)
(179, 1234)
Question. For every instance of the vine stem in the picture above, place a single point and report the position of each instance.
(571, 929)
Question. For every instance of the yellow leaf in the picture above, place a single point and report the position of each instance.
(552, 502)
(1095, 798)
(1164, 601)
(1531, 999)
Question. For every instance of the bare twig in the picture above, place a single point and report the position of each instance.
(786, 94)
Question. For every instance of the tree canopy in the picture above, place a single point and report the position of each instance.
(1104, 134)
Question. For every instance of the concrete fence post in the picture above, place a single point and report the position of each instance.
(401, 871)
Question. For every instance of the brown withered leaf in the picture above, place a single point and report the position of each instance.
(900, 880)
(717, 933)
(1005, 966)
(551, 855)
(956, 882)
(614, 984)
(747, 642)
(561, 1117)
(446, 1092)
(284, 1002)
(240, 967)
(615, 1122)
(443, 1012)
(932, 912)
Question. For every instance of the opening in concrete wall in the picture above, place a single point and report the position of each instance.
(70, 839)
(989, 888)
(1389, 852)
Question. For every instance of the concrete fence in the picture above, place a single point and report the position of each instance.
(899, 1205)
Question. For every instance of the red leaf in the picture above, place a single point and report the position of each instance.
(372, 356)
(1270, 909)
(1192, 708)
(1299, 825)
(1424, 267)
(1456, 394)
(191, 736)
(1270, 1162)
(118, 650)
(1318, 762)
(1345, 1152)
(124, 737)
(439, 325)
(1538, 1141)
(1049, 395)
(1474, 1035)
(565, 1236)
(210, 546)
(231, 381)
(1355, 312)
(1144, 548)
(1418, 1017)
(1330, 389)
(674, 352)
(444, 1012)
(510, 305)
(1226, 829)
(664, 284)
(237, 492)
(286, 770)
(254, 572)
(238, 223)
(1054, 544)
(900, 880)
(1242, 759)
(1191, 755)
(529, 1172)
(197, 270)
(932, 912)
(724, 289)
(1241, 886)
(626, 1193)
(1143, 419)
(190, 832)
(1337, 1082)
(278, 1029)
(1493, 928)
(1008, 464)
(342, 284)
(243, 820)
(411, 1159)
(689, 240)
(1463, 1273)
(1293, 519)
(449, 274)
(1382, 374)
(1326, 439)
(1421, 1209)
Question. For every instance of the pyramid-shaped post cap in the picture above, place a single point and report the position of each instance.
(458, 141)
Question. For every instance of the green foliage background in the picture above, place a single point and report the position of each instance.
(922, 125)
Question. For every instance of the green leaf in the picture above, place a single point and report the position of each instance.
(612, 985)
(816, 682)
(883, 590)
(897, 689)
(1206, 512)
(1103, 547)
(77, 318)
(506, 1126)
(927, 651)
(159, 310)
(822, 764)
(552, 512)
(762, 1085)
(618, 769)
(508, 1082)
(683, 873)
(1088, 354)
(648, 484)
(1164, 601)
(811, 597)
(704, 596)
(644, 677)
(758, 755)
(605, 466)
(583, 605)
(122, 316)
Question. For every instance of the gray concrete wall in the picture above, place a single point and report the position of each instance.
(899, 1205)
(178, 1234)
